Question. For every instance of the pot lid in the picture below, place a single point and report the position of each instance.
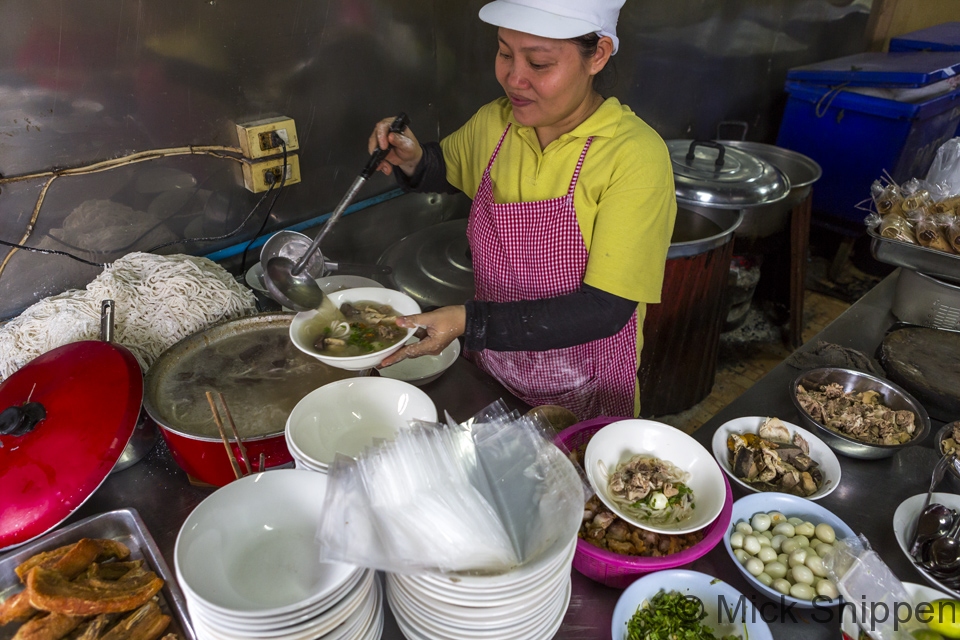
(87, 398)
(710, 174)
(433, 265)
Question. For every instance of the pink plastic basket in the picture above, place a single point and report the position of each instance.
(613, 569)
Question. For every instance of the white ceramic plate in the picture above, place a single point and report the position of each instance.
(904, 519)
(250, 550)
(346, 416)
(619, 441)
(231, 623)
(420, 371)
(790, 506)
(540, 619)
(481, 618)
(917, 592)
(300, 326)
(698, 585)
(819, 452)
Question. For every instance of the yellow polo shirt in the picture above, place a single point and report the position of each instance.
(625, 198)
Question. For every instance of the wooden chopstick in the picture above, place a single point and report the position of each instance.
(223, 436)
(236, 434)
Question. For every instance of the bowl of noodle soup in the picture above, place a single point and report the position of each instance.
(654, 476)
(308, 326)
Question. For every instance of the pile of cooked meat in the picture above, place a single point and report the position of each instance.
(951, 442)
(858, 415)
(642, 474)
(770, 460)
(87, 591)
(602, 528)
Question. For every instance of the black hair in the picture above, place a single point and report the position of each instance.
(607, 78)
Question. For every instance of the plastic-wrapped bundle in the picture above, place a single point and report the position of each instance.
(887, 198)
(488, 495)
(930, 235)
(951, 228)
(892, 226)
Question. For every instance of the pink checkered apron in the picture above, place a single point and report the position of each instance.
(533, 250)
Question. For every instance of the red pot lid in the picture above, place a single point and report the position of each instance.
(91, 393)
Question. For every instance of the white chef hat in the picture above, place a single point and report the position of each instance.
(559, 19)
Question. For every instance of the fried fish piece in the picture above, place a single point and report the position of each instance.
(72, 560)
(146, 623)
(16, 608)
(50, 591)
(51, 626)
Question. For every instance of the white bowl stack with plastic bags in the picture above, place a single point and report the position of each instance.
(248, 562)
(475, 525)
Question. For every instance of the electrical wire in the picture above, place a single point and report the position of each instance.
(216, 151)
(160, 223)
(266, 218)
(52, 252)
(235, 231)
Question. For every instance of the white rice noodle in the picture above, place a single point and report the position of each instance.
(159, 300)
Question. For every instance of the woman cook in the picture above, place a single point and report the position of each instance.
(573, 209)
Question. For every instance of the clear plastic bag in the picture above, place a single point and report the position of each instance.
(944, 172)
(488, 495)
(878, 600)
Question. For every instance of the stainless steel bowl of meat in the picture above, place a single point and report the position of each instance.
(858, 414)
(948, 441)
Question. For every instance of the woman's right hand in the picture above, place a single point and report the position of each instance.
(405, 151)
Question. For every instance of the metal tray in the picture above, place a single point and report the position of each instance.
(913, 256)
(123, 525)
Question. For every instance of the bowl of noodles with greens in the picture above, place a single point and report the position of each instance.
(654, 476)
(354, 329)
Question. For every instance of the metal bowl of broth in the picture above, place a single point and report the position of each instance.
(260, 373)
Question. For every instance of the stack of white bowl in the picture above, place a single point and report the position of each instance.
(349, 415)
(247, 559)
(528, 603)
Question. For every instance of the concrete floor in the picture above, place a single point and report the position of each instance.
(750, 351)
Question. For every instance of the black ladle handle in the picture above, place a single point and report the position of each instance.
(707, 143)
(397, 126)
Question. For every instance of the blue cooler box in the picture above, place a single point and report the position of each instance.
(942, 37)
(858, 138)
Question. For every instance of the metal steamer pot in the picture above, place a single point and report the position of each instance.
(709, 175)
(262, 377)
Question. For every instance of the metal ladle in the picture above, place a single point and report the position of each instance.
(916, 542)
(934, 523)
(945, 552)
(288, 282)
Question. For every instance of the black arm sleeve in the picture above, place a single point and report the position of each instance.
(430, 176)
(550, 323)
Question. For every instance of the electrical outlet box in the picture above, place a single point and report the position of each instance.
(255, 173)
(256, 140)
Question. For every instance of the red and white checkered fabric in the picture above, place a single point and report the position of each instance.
(533, 250)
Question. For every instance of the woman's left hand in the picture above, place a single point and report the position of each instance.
(442, 327)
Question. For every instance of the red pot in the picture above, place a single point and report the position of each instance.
(262, 376)
(205, 459)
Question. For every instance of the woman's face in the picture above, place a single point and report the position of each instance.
(548, 81)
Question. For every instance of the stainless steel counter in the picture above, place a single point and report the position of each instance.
(868, 494)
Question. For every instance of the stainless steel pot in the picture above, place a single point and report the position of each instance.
(700, 229)
(801, 171)
(712, 175)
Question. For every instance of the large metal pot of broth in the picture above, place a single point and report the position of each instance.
(261, 375)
